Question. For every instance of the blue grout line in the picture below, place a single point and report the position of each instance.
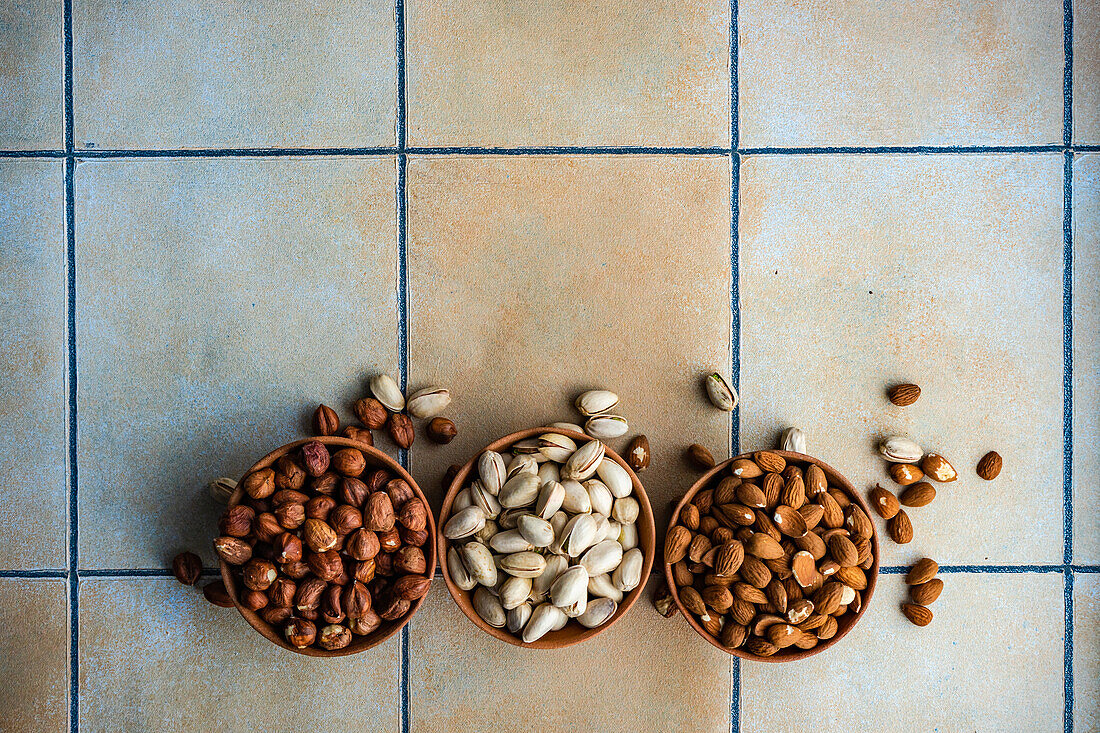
(233, 152)
(1067, 359)
(735, 302)
(402, 109)
(1067, 73)
(1067, 663)
(34, 573)
(32, 154)
(735, 695)
(74, 514)
(569, 150)
(67, 14)
(886, 149)
(402, 294)
(995, 569)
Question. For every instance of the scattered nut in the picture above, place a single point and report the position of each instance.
(903, 395)
(216, 593)
(221, 489)
(937, 468)
(441, 430)
(401, 431)
(989, 467)
(325, 421)
(700, 457)
(922, 571)
(187, 567)
(919, 615)
(918, 495)
(884, 502)
(371, 413)
(900, 528)
(793, 440)
(905, 473)
(637, 453)
(720, 393)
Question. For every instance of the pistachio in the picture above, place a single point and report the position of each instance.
(599, 611)
(536, 530)
(428, 402)
(558, 520)
(459, 575)
(577, 607)
(555, 566)
(488, 532)
(543, 620)
(483, 500)
(518, 617)
(489, 608)
(603, 557)
(604, 427)
(576, 499)
(569, 587)
(523, 564)
(628, 535)
(510, 541)
(599, 496)
(614, 528)
(720, 393)
(509, 518)
(222, 489)
(521, 491)
(490, 466)
(479, 563)
(603, 586)
(464, 524)
(514, 592)
(522, 463)
(556, 447)
(462, 501)
(566, 426)
(578, 535)
(626, 510)
(603, 527)
(628, 575)
(386, 391)
(550, 499)
(529, 446)
(794, 440)
(615, 477)
(549, 471)
(584, 461)
(901, 450)
(596, 401)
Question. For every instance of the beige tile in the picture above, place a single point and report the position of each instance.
(1003, 674)
(928, 72)
(155, 656)
(34, 402)
(1086, 358)
(862, 271)
(1086, 71)
(214, 73)
(568, 73)
(219, 301)
(1086, 653)
(31, 77)
(34, 655)
(532, 279)
(458, 675)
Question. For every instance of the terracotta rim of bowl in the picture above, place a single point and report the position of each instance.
(789, 654)
(374, 458)
(572, 633)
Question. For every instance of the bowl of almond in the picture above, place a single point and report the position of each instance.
(772, 556)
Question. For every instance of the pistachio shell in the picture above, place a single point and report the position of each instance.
(901, 450)
(628, 575)
(527, 445)
(558, 520)
(605, 427)
(523, 564)
(599, 612)
(483, 500)
(490, 466)
(521, 491)
(549, 471)
(428, 402)
(536, 530)
(577, 607)
(626, 510)
(599, 496)
(603, 528)
(556, 447)
(479, 563)
(628, 535)
(550, 499)
(595, 401)
(518, 617)
(603, 586)
(569, 587)
(510, 541)
(458, 572)
(584, 461)
(487, 532)
(465, 523)
(615, 478)
(555, 565)
(603, 557)
(720, 393)
(489, 608)
(514, 591)
(543, 620)
(462, 501)
(576, 499)
(386, 391)
(522, 463)
(794, 440)
(578, 535)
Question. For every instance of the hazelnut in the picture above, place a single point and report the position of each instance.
(295, 570)
(187, 567)
(410, 560)
(333, 637)
(315, 456)
(390, 540)
(300, 633)
(414, 537)
(377, 480)
(288, 548)
(359, 435)
(308, 595)
(363, 571)
(370, 412)
(233, 550)
(318, 536)
(258, 505)
(319, 507)
(237, 521)
(356, 599)
(345, 519)
(411, 587)
(365, 625)
(325, 484)
(343, 577)
(362, 544)
(290, 516)
(325, 565)
(449, 475)
(282, 592)
(414, 514)
(383, 564)
(259, 484)
(288, 474)
(325, 421)
(401, 431)
(288, 496)
(353, 491)
(332, 605)
(395, 609)
(399, 491)
(349, 461)
(267, 527)
(378, 513)
(311, 615)
(216, 593)
(253, 600)
(379, 588)
(275, 615)
(441, 430)
(259, 574)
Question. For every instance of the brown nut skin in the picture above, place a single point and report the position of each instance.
(326, 484)
(187, 567)
(383, 564)
(356, 599)
(288, 496)
(325, 565)
(353, 491)
(254, 600)
(259, 484)
(258, 505)
(441, 430)
(315, 458)
(378, 515)
(288, 548)
(700, 457)
(282, 591)
(637, 453)
(259, 574)
(288, 474)
(376, 480)
(370, 412)
(410, 560)
(233, 550)
(318, 535)
(401, 431)
(365, 625)
(325, 421)
(215, 592)
(345, 519)
(411, 587)
(319, 507)
(989, 467)
(349, 462)
(390, 540)
(400, 492)
(362, 544)
(236, 521)
(449, 475)
(300, 633)
(414, 537)
(363, 571)
(290, 516)
(332, 605)
(333, 637)
(308, 595)
(395, 609)
(267, 527)
(413, 514)
(295, 570)
(275, 615)
(359, 435)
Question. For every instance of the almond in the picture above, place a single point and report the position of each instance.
(827, 600)
(884, 502)
(905, 474)
(773, 487)
(726, 490)
(789, 521)
(917, 495)
(900, 528)
(783, 635)
(926, 593)
(751, 496)
(700, 457)
(937, 468)
(858, 522)
(794, 492)
(815, 480)
(990, 465)
(718, 598)
(812, 544)
(843, 551)
(832, 516)
(777, 595)
(729, 558)
(743, 468)
(689, 516)
(812, 513)
(763, 546)
(853, 577)
(733, 635)
(700, 546)
(769, 461)
(919, 615)
(828, 629)
(760, 647)
(804, 568)
(693, 602)
(922, 571)
(749, 593)
(903, 395)
(754, 572)
(676, 544)
(742, 612)
(736, 515)
(800, 610)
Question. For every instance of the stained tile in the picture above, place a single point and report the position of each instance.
(1086, 653)
(888, 675)
(925, 73)
(34, 655)
(218, 302)
(1086, 71)
(858, 272)
(211, 74)
(458, 675)
(568, 73)
(34, 401)
(31, 78)
(1086, 358)
(533, 279)
(155, 656)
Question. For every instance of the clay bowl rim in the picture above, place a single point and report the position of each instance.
(374, 458)
(572, 633)
(790, 654)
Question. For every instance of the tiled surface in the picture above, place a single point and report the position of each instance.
(160, 658)
(31, 76)
(853, 194)
(920, 73)
(1086, 357)
(462, 677)
(213, 74)
(34, 660)
(626, 72)
(533, 279)
(942, 270)
(953, 675)
(33, 445)
(271, 288)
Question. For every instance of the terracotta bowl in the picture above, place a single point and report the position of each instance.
(572, 633)
(845, 624)
(375, 458)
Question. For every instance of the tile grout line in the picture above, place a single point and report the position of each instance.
(70, 304)
(735, 304)
(1067, 347)
(1067, 73)
(1067, 663)
(402, 291)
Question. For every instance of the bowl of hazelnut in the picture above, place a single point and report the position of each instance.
(327, 546)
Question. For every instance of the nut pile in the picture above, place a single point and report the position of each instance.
(548, 537)
(770, 555)
(326, 547)
(389, 409)
(908, 465)
(924, 589)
